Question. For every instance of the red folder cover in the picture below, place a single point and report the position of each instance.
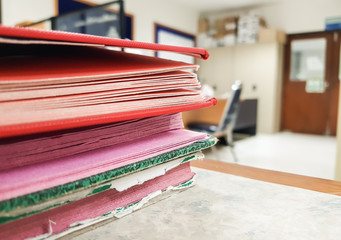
(28, 33)
(44, 65)
(29, 128)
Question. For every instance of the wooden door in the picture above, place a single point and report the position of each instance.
(310, 96)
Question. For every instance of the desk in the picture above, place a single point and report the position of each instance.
(226, 206)
(294, 180)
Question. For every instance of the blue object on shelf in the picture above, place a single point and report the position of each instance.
(333, 23)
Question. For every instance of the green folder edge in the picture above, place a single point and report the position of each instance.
(57, 191)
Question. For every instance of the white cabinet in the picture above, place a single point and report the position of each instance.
(259, 67)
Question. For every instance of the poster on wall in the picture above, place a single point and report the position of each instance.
(170, 36)
(90, 18)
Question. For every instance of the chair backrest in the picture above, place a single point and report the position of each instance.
(231, 109)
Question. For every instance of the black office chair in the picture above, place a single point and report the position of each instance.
(224, 130)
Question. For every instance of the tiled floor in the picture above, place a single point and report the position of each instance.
(302, 154)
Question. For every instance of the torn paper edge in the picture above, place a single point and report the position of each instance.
(120, 184)
(116, 213)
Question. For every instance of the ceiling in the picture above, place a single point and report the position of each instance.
(220, 5)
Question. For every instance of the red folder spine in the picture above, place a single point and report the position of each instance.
(21, 32)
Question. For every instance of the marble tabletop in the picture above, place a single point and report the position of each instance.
(223, 206)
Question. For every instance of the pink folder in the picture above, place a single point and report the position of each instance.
(28, 179)
(32, 149)
(94, 206)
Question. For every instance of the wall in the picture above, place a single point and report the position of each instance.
(296, 16)
(292, 16)
(16, 11)
(258, 67)
(167, 13)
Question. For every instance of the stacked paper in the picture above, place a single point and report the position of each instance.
(89, 133)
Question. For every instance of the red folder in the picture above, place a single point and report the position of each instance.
(28, 33)
(39, 71)
(29, 128)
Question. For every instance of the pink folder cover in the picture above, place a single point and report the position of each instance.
(91, 207)
(32, 149)
(20, 181)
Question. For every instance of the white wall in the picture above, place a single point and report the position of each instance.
(165, 12)
(293, 16)
(258, 66)
(16, 11)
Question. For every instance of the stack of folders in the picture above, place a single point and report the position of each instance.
(88, 133)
